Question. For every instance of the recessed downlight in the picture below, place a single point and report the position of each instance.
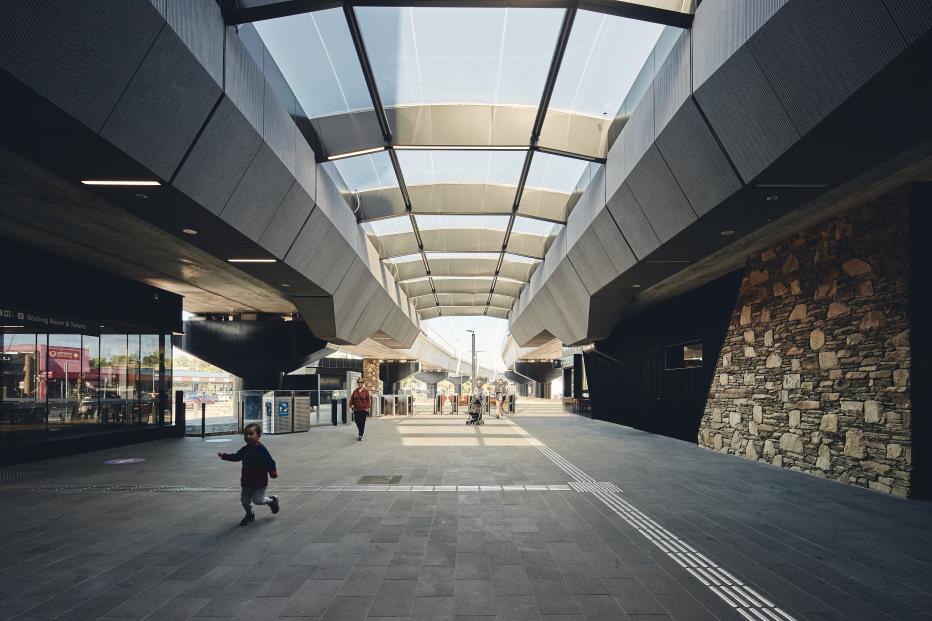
(189, 231)
(11, 327)
(119, 182)
(252, 260)
(773, 197)
(727, 233)
(142, 196)
(635, 286)
(285, 285)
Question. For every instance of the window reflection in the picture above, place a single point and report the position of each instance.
(58, 386)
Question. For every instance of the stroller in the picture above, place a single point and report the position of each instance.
(474, 410)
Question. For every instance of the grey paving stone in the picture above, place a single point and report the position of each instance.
(473, 597)
(472, 566)
(435, 581)
(394, 599)
(347, 609)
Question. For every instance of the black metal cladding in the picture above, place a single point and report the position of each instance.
(628, 382)
(45, 283)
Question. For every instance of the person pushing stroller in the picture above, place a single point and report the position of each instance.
(474, 409)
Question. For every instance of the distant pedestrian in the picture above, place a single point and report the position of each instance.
(360, 404)
(258, 466)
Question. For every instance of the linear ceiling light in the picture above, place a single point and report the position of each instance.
(117, 182)
(340, 156)
(252, 260)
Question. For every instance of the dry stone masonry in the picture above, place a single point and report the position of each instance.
(814, 373)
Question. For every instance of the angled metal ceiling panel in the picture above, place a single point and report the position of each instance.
(163, 108)
(243, 81)
(601, 253)
(278, 129)
(913, 17)
(219, 158)
(746, 115)
(464, 311)
(199, 23)
(463, 299)
(356, 318)
(723, 26)
(320, 253)
(82, 55)
(696, 159)
(576, 133)
(388, 202)
(346, 133)
(258, 195)
(287, 222)
(673, 82)
(816, 55)
(571, 297)
(659, 196)
(632, 222)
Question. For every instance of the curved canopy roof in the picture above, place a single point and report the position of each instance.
(464, 133)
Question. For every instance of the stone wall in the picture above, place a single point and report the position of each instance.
(815, 368)
(370, 374)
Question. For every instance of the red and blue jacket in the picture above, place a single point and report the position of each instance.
(257, 465)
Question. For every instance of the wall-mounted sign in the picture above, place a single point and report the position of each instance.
(10, 315)
(283, 408)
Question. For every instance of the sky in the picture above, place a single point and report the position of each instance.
(450, 332)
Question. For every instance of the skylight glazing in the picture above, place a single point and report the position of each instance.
(316, 55)
(430, 55)
(555, 172)
(367, 172)
(389, 226)
(601, 46)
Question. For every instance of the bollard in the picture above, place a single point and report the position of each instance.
(203, 419)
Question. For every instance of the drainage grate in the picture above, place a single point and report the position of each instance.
(16, 475)
(380, 479)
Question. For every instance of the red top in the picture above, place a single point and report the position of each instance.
(360, 400)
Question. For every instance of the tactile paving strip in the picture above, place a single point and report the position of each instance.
(746, 601)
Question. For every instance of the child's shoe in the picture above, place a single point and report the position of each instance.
(274, 504)
(250, 517)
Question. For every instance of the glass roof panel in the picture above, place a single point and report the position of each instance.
(431, 55)
(602, 45)
(389, 226)
(555, 172)
(530, 226)
(316, 55)
(475, 256)
(367, 172)
(442, 166)
(408, 258)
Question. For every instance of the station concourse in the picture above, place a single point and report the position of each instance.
(633, 292)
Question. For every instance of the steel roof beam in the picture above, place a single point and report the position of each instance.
(234, 14)
(563, 38)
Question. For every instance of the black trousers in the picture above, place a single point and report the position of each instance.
(360, 419)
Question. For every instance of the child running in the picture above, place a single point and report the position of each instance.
(258, 466)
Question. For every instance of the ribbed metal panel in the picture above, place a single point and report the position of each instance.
(350, 300)
(746, 115)
(278, 129)
(199, 24)
(673, 82)
(632, 222)
(696, 159)
(164, 107)
(816, 55)
(287, 221)
(659, 196)
(243, 80)
(305, 166)
(639, 133)
(219, 158)
(258, 195)
(720, 27)
(81, 55)
(320, 253)
(914, 17)
(571, 297)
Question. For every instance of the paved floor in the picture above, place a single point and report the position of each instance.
(540, 517)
